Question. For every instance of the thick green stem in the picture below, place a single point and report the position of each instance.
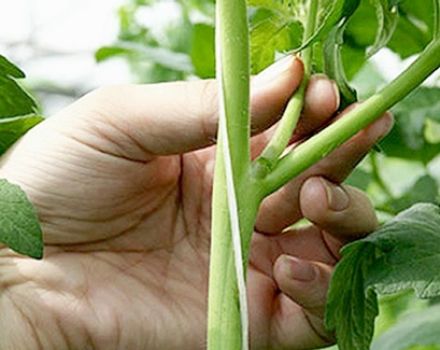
(224, 321)
(231, 180)
(316, 148)
(270, 156)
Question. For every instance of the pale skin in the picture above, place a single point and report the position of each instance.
(122, 183)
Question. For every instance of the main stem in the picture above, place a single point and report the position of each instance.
(316, 148)
(232, 163)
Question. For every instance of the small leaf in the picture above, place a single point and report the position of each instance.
(19, 227)
(11, 129)
(387, 17)
(403, 254)
(107, 52)
(334, 67)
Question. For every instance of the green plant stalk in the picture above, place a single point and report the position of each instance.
(224, 319)
(317, 147)
(278, 143)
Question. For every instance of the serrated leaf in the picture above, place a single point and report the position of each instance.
(11, 129)
(270, 34)
(418, 329)
(14, 100)
(19, 227)
(387, 17)
(403, 254)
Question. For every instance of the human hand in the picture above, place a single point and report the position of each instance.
(122, 184)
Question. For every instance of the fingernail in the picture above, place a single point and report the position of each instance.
(300, 270)
(275, 70)
(326, 87)
(337, 198)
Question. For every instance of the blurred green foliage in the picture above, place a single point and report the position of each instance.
(162, 48)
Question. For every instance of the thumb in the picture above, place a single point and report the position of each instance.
(173, 118)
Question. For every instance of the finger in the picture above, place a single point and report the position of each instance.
(177, 117)
(342, 211)
(321, 102)
(282, 209)
(302, 283)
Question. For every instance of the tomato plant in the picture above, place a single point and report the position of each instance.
(337, 38)
(351, 308)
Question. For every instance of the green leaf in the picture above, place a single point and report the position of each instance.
(407, 140)
(9, 69)
(334, 66)
(370, 25)
(418, 329)
(19, 227)
(359, 178)
(203, 50)
(414, 29)
(424, 190)
(14, 100)
(388, 17)
(403, 254)
(271, 33)
(11, 129)
(282, 15)
(331, 13)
